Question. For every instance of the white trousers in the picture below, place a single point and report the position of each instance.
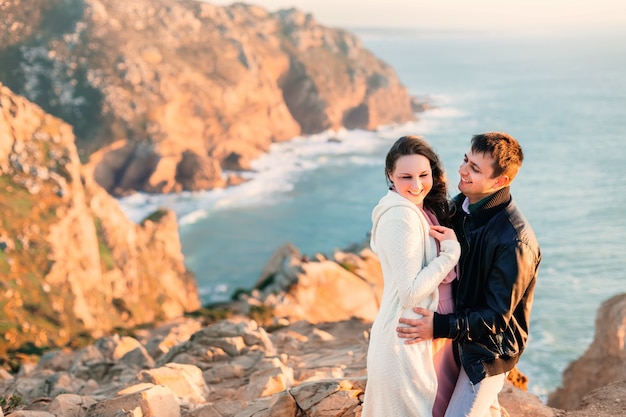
(480, 400)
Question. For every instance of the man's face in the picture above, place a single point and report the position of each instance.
(476, 173)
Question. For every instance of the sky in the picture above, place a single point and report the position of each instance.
(488, 15)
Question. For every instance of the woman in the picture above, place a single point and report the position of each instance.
(416, 255)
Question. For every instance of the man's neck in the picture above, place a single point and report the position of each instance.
(473, 207)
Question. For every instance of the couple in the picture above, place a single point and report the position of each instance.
(454, 317)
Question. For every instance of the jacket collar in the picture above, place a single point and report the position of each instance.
(498, 198)
(495, 203)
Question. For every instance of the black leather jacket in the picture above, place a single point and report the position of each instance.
(498, 269)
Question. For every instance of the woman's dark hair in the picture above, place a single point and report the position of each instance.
(437, 199)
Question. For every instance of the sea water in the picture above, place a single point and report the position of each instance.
(562, 96)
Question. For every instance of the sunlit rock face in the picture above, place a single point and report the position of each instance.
(165, 94)
(71, 262)
(604, 361)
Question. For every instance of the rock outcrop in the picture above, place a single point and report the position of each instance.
(231, 368)
(603, 363)
(238, 367)
(165, 95)
(293, 285)
(71, 261)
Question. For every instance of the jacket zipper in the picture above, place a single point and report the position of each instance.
(467, 244)
(465, 234)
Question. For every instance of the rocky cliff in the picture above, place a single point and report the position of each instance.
(170, 95)
(151, 95)
(602, 364)
(71, 262)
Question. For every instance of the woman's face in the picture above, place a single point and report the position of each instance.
(412, 178)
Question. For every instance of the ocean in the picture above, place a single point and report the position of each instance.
(563, 96)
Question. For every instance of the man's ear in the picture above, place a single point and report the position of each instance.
(502, 181)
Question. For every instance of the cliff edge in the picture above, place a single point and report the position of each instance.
(604, 361)
(71, 262)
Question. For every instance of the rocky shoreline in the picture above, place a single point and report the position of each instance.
(173, 95)
(231, 368)
(277, 364)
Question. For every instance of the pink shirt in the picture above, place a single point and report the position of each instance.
(445, 288)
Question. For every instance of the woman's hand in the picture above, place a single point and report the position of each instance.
(442, 233)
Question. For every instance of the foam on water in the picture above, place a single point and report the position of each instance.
(273, 174)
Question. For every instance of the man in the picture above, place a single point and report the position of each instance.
(498, 269)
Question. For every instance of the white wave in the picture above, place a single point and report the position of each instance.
(445, 113)
(193, 217)
(215, 293)
(365, 161)
(274, 174)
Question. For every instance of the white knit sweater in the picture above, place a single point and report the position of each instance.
(401, 378)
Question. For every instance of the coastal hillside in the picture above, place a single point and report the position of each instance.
(172, 95)
(71, 263)
(101, 97)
